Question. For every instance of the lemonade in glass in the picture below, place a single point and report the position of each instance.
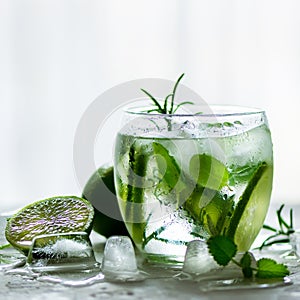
(186, 176)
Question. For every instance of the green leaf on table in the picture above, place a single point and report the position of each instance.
(245, 262)
(208, 172)
(222, 248)
(269, 268)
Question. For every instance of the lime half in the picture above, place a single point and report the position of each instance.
(49, 216)
(251, 210)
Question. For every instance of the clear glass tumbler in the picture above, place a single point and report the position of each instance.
(183, 177)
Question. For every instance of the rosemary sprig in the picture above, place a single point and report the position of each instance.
(282, 234)
(173, 94)
(168, 106)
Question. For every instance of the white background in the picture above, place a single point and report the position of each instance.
(57, 56)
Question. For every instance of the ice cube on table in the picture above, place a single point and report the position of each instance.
(119, 261)
(119, 255)
(61, 252)
(198, 259)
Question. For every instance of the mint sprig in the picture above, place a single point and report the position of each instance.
(223, 250)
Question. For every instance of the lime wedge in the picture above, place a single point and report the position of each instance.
(251, 210)
(208, 172)
(49, 216)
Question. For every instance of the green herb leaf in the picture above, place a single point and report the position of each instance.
(269, 228)
(245, 262)
(134, 191)
(282, 234)
(166, 103)
(154, 100)
(210, 208)
(269, 268)
(222, 248)
(203, 200)
(241, 174)
(163, 109)
(173, 94)
(208, 172)
(171, 178)
(167, 166)
(181, 104)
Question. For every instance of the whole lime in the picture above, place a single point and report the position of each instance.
(100, 191)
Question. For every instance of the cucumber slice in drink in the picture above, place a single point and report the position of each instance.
(250, 212)
(49, 216)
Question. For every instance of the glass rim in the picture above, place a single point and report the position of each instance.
(214, 110)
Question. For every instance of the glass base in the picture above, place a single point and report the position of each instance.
(242, 284)
(164, 260)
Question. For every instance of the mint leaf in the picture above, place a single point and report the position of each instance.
(210, 208)
(241, 174)
(217, 213)
(222, 248)
(269, 268)
(171, 178)
(208, 172)
(167, 167)
(245, 262)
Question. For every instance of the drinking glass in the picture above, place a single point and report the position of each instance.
(181, 177)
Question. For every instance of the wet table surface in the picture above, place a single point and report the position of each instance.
(17, 287)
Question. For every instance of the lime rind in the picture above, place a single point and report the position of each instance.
(60, 214)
